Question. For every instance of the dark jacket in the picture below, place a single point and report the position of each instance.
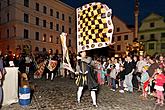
(129, 66)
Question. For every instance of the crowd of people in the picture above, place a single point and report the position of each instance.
(129, 73)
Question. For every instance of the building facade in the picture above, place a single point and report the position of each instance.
(36, 25)
(152, 34)
(123, 36)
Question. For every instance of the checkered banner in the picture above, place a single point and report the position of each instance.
(94, 26)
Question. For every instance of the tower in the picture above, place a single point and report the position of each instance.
(136, 14)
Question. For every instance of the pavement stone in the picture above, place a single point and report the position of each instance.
(60, 94)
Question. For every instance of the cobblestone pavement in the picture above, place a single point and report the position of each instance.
(60, 94)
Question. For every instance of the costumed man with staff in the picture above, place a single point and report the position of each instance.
(94, 30)
(86, 76)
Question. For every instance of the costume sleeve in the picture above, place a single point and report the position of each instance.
(87, 60)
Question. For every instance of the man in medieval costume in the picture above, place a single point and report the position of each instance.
(86, 77)
(51, 68)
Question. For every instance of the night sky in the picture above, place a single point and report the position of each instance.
(124, 9)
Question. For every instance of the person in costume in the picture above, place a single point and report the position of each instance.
(51, 67)
(86, 77)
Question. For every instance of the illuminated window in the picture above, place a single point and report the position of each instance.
(44, 38)
(51, 39)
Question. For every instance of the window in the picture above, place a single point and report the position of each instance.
(51, 12)
(26, 18)
(8, 2)
(57, 14)
(152, 25)
(8, 33)
(118, 38)
(57, 27)
(70, 19)
(44, 9)
(51, 39)
(152, 37)
(26, 3)
(70, 31)
(37, 35)
(163, 35)
(51, 25)
(37, 7)
(8, 17)
(70, 43)
(63, 29)
(14, 30)
(44, 23)
(0, 7)
(26, 33)
(151, 46)
(63, 17)
(118, 47)
(113, 39)
(162, 45)
(141, 37)
(44, 38)
(57, 40)
(125, 37)
(37, 21)
(118, 29)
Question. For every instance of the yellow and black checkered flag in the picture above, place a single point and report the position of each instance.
(94, 26)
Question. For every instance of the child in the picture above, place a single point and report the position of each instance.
(159, 82)
(98, 67)
(113, 75)
(144, 81)
(121, 77)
